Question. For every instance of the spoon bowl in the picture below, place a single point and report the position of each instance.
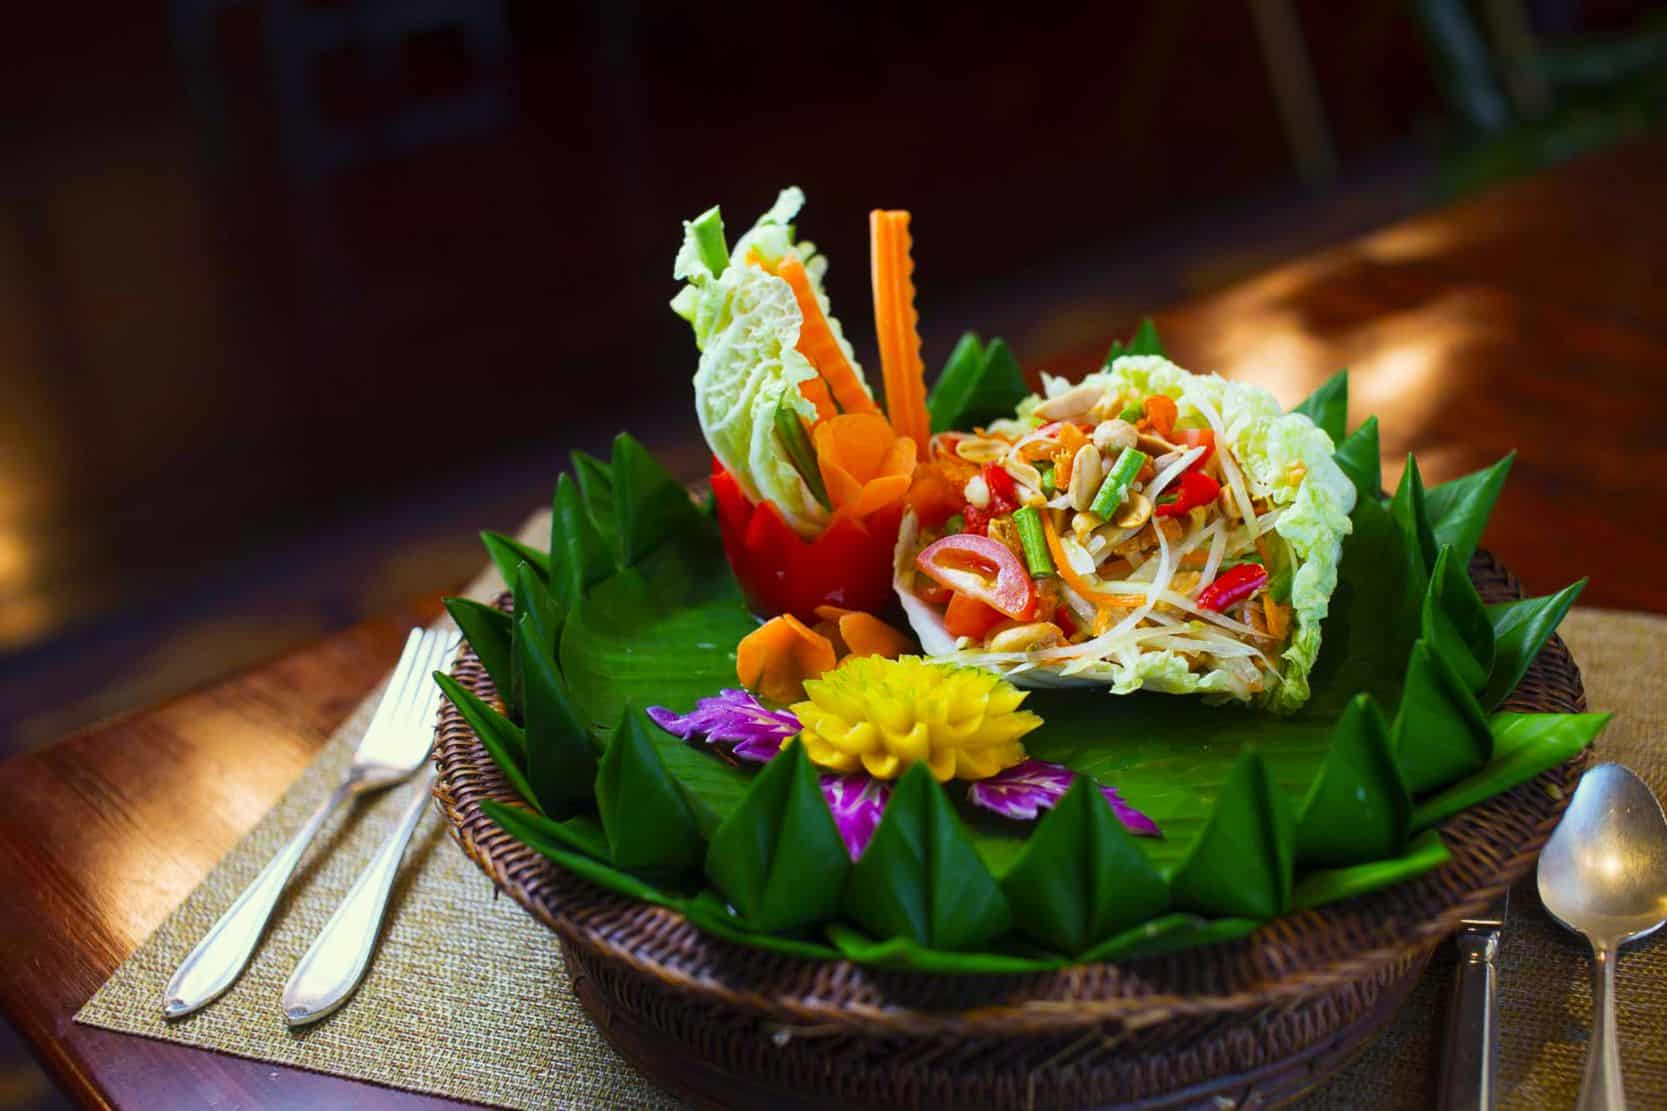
(1603, 875)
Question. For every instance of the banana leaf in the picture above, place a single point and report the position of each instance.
(1254, 808)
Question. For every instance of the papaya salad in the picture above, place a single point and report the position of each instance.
(1144, 528)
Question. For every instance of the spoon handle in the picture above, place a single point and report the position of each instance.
(1600, 1088)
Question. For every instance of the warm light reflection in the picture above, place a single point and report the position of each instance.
(231, 755)
(23, 619)
(1250, 335)
(15, 561)
(1410, 242)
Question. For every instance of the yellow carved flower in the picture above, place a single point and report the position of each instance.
(882, 716)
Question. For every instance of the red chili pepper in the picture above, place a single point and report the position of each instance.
(982, 569)
(1233, 585)
(849, 565)
(1003, 490)
(1196, 490)
(1066, 621)
(977, 520)
(1192, 437)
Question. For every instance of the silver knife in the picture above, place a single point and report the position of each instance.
(1467, 1059)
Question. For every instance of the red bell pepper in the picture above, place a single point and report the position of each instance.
(1233, 585)
(1196, 489)
(849, 565)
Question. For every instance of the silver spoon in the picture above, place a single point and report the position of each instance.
(1603, 875)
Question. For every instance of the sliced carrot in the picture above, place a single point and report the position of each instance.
(867, 635)
(1076, 581)
(1162, 413)
(1278, 617)
(1071, 440)
(817, 343)
(816, 390)
(776, 658)
(937, 493)
(865, 465)
(898, 326)
(863, 634)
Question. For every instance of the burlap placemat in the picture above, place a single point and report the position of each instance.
(468, 999)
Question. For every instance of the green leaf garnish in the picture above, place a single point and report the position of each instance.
(490, 633)
(1358, 808)
(509, 553)
(977, 385)
(919, 878)
(561, 761)
(1328, 406)
(1524, 746)
(1144, 342)
(1520, 630)
(1459, 509)
(578, 556)
(780, 833)
(596, 489)
(1081, 878)
(651, 507)
(1455, 624)
(1358, 456)
(1440, 732)
(1426, 853)
(651, 829)
(503, 739)
(1241, 864)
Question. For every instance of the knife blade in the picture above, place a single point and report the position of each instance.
(1471, 1046)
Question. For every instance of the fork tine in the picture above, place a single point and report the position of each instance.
(399, 681)
(418, 707)
(424, 693)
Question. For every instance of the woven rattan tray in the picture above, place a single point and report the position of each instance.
(1254, 1022)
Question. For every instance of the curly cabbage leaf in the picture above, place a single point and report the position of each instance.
(746, 323)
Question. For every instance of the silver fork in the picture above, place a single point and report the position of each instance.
(336, 963)
(395, 745)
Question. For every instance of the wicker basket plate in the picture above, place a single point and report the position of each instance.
(1255, 1022)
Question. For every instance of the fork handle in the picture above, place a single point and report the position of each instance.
(331, 969)
(220, 957)
(1467, 1063)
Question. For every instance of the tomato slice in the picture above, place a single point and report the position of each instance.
(983, 569)
(1192, 437)
(968, 617)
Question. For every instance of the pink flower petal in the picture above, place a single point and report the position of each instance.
(732, 717)
(856, 801)
(1031, 786)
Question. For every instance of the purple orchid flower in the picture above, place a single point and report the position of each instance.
(857, 800)
(733, 717)
(1030, 786)
(756, 734)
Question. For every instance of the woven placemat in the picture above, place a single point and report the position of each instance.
(468, 998)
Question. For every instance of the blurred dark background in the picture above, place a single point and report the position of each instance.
(295, 296)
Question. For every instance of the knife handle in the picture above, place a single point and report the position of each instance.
(1467, 1061)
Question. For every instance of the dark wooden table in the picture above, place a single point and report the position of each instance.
(1532, 319)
